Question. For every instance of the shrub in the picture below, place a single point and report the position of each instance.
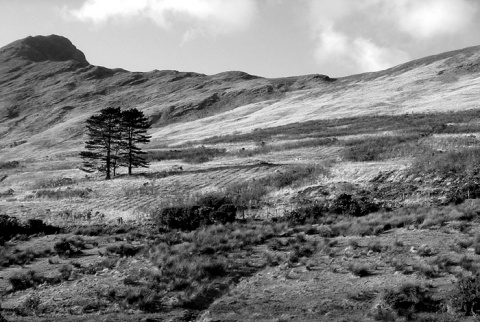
(303, 215)
(22, 281)
(145, 299)
(208, 210)
(409, 299)
(9, 165)
(21, 256)
(466, 297)
(11, 226)
(65, 271)
(123, 249)
(67, 247)
(360, 270)
(349, 205)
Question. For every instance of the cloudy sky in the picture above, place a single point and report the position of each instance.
(269, 38)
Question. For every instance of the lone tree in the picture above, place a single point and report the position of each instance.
(134, 128)
(105, 136)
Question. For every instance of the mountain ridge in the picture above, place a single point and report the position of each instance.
(46, 93)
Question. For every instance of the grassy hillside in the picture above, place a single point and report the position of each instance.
(297, 199)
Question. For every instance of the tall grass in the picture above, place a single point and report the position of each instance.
(426, 124)
(189, 155)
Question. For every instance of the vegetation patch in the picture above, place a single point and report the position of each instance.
(11, 226)
(189, 155)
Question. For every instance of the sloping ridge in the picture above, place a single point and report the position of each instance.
(48, 89)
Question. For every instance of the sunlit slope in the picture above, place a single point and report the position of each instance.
(48, 89)
(442, 83)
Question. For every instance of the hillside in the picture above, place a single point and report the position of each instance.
(48, 89)
(305, 198)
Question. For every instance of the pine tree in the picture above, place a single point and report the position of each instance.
(134, 127)
(105, 135)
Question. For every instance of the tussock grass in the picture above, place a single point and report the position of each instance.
(16, 256)
(63, 194)
(189, 155)
(426, 124)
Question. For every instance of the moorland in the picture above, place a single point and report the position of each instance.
(306, 198)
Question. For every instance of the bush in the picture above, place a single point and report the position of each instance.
(145, 299)
(65, 271)
(21, 256)
(208, 210)
(360, 270)
(22, 281)
(348, 205)
(307, 214)
(409, 299)
(123, 250)
(9, 165)
(466, 297)
(67, 247)
(11, 226)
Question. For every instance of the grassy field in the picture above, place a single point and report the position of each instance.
(358, 219)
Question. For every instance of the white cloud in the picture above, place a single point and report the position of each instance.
(201, 16)
(430, 18)
(369, 35)
(371, 57)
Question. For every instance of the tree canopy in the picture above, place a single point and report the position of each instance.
(113, 141)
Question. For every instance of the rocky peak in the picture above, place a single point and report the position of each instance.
(44, 48)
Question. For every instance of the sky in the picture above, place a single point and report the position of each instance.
(270, 38)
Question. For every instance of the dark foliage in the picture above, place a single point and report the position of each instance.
(123, 250)
(67, 247)
(192, 217)
(409, 299)
(134, 131)
(9, 165)
(190, 155)
(466, 298)
(103, 146)
(22, 281)
(18, 256)
(350, 205)
(11, 226)
(304, 214)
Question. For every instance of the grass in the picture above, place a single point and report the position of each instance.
(63, 194)
(189, 155)
(16, 256)
(426, 124)
(50, 183)
(384, 147)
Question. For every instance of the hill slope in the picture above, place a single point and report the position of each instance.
(48, 89)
